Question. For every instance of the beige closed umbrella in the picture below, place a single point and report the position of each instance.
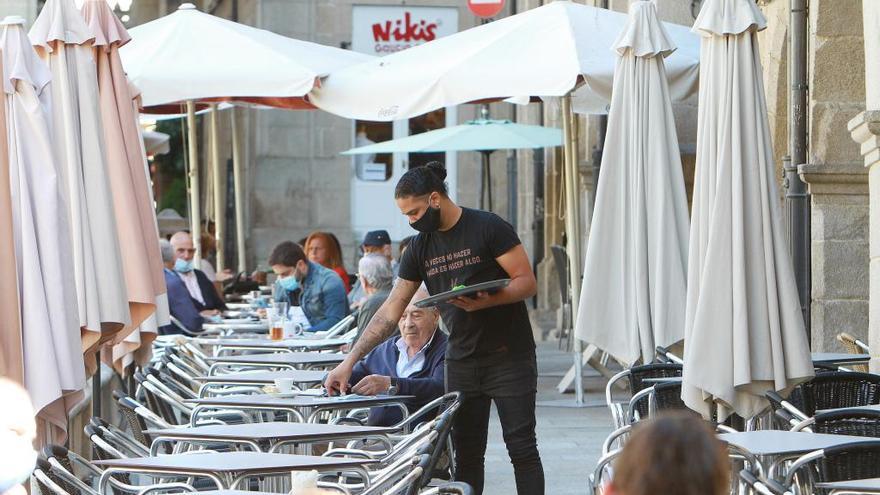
(744, 332)
(11, 364)
(62, 39)
(132, 197)
(54, 372)
(633, 296)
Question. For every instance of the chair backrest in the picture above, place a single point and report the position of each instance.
(560, 260)
(666, 397)
(45, 483)
(637, 383)
(153, 401)
(443, 427)
(855, 422)
(837, 389)
(136, 415)
(102, 449)
(121, 440)
(59, 468)
(849, 462)
(854, 346)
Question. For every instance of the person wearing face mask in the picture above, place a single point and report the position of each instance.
(180, 303)
(490, 356)
(409, 364)
(17, 433)
(316, 289)
(203, 292)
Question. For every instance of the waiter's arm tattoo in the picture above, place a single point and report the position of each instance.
(384, 322)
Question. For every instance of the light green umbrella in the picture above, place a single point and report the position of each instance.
(481, 135)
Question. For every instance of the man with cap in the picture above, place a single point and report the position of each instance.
(375, 242)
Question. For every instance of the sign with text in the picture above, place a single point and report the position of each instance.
(385, 29)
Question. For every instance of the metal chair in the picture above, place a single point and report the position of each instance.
(119, 439)
(762, 486)
(839, 463)
(636, 376)
(854, 346)
(451, 488)
(827, 390)
(854, 422)
(560, 261)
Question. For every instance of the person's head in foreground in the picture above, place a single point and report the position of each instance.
(675, 453)
(423, 196)
(17, 433)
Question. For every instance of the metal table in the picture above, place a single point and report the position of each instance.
(780, 446)
(304, 409)
(227, 346)
(228, 469)
(871, 485)
(839, 358)
(288, 360)
(256, 326)
(267, 437)
(301, 379)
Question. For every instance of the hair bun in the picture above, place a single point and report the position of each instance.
(437, 169)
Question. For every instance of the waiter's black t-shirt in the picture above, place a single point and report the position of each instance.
(465, 255)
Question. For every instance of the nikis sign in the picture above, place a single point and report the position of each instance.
(381, 30)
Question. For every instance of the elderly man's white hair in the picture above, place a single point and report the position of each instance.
(376, 269)
(167, 250)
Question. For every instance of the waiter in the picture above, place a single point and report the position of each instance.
(491, 351)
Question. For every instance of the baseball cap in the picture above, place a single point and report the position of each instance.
(377, 238)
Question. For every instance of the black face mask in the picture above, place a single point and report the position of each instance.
(429, 221)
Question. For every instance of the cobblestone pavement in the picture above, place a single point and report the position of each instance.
(569, 439)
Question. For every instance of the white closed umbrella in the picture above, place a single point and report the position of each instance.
(54, 372)
(744, 331)
(543, 52)
(633, 295)
(63, 41)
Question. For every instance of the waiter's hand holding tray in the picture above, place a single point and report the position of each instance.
(490, 287)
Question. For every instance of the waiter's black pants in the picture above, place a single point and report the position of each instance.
(512, 385)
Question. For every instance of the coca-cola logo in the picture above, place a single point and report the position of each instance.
(405, 30)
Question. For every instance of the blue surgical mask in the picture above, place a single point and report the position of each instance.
(289, 283)
(183, 266)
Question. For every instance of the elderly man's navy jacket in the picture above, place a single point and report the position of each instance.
(426, 385)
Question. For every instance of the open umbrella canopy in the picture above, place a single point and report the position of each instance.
(191, 55)
(544, 51)
(476, 135)
(744, 330)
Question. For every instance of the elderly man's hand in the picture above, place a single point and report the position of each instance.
(372, 385)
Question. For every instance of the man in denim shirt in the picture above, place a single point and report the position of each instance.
(318, 290)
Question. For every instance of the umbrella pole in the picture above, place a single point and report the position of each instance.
(219, 204)
(488, 168)
(194, 193)
(572, 222)
(481, 193)
(96, 386)
(239, 193)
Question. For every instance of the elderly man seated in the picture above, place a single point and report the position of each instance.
(180, 303)
(409, 364)
(203, 292)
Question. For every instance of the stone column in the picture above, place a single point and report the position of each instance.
(865, 130)
(837, 182)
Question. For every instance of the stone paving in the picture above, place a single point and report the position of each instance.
(569, 439)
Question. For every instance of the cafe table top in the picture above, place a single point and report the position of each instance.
(283, 358)
(265, 377)
(298, 343)
(871, 485)
(779, 442)
(239, 463)
(273, 432)
(838, 358)
(267, 401)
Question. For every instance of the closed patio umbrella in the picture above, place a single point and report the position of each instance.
(62, 39)
(54, 373)
(633, 296)
(132, 197)
(744, 331)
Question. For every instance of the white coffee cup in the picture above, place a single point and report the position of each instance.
(284, 385)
